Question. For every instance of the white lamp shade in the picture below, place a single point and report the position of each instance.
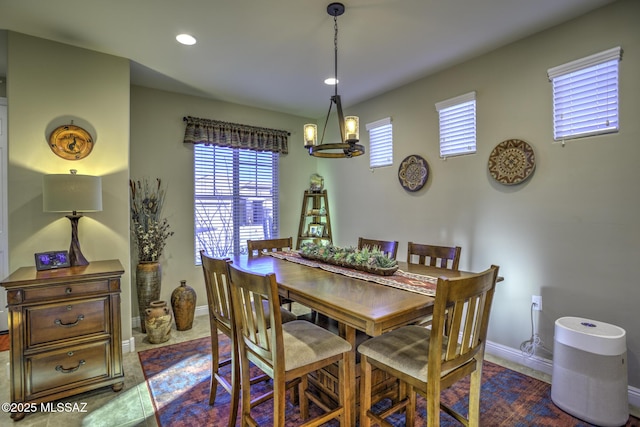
(70, 193)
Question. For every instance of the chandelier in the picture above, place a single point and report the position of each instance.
(349, 126)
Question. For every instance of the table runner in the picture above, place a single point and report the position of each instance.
(418, 283)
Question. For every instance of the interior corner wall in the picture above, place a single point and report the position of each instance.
(570, 233)
(48, 85)
(158, 151)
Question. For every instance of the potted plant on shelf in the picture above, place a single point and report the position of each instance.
(150, 233)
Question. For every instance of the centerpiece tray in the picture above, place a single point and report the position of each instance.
(366, 268)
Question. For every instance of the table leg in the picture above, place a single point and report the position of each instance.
(349, 334)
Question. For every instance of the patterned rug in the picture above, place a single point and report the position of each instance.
(4, 342)
(178, 378)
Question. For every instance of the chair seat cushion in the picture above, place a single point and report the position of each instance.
(405, 349)
(306, 343)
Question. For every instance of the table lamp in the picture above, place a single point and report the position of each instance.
(72, 193)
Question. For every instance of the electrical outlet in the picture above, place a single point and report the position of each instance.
(536, 301)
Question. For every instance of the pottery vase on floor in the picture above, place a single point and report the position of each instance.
(183, 302)
(148, 282)
(158, 322)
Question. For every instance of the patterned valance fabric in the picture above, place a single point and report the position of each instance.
(224, 134)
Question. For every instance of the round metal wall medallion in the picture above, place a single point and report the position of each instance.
(512, 162)
(413, 173)
(71, 142)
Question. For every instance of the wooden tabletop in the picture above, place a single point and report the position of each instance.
(362, 305)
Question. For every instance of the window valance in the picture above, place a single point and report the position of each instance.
(224, 134)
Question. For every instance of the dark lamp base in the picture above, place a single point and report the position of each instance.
(75, 254)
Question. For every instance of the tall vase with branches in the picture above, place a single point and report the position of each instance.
(149, 233)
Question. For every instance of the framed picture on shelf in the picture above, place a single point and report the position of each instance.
(316, 230)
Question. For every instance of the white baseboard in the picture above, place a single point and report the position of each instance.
(546, 366)
(516, 356)
(513, 355)
(129, 346)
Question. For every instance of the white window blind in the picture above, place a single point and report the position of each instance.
(585, 96)
(236, 198)
(457, 125)
(380, 143)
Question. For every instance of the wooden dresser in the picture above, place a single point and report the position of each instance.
(65, 332)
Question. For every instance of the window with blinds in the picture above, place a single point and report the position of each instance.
(236, 198)
(380, 143)
(457, 125)
(585, 96)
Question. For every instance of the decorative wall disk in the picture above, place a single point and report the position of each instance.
(413, 173)
(71, 142)
(511, 162)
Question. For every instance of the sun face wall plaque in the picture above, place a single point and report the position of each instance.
(70, 142)
(512, 162)
(413, 173)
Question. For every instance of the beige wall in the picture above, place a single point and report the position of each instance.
(157, 150)
(50, 84)
(570, 233)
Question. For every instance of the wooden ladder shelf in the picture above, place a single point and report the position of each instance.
(315, 221)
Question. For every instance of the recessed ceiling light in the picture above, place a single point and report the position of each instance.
(331, 81)
(186, 39)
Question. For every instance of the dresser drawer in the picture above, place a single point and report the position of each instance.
(68, 290)
(54, 322)
(65, 367)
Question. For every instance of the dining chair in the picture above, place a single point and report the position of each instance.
(221, 319)
(436, 256)
(286, 352)
(260, 247)
(428, 360)
(390, 248)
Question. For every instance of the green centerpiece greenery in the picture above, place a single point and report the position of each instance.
(372, 260)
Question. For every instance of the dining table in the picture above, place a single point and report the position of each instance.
(353, 299)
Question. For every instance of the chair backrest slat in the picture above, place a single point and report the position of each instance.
(465, 304)
(260, 335)
(218, 298)
(260, 247)
(390, 248)
(435, 256)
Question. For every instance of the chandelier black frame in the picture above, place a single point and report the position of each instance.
(349, 127)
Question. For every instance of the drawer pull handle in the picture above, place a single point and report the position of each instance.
(68, 291)
(70, 325)
(59, 368)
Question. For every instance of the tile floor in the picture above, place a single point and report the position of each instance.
(132, 405)
(129, 407)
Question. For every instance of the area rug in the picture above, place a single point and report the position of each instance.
(178, 378)
(4, 342)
